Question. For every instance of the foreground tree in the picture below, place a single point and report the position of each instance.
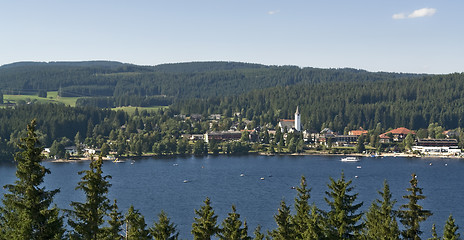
(285, 228)
(451, 230)
(342, 218)
(205, 225)
(87, 218)
(116, 221)
(26, 212)
(164, 229)
(136, 228)
(412, 214)
(301, 219)
(381, 218)
(434, 233)
(232, 227)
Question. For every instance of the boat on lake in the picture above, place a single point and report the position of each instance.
(350, 159)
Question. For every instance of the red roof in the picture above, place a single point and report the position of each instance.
(401, 130)
(287, 120)
(358, 132)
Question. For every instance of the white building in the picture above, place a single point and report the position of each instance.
(291, 125)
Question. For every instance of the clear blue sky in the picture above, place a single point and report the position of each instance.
(395, 36)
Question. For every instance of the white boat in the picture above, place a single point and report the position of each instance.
(350, 159)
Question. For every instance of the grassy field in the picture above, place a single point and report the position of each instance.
(51, 97)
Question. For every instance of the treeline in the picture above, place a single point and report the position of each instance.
(121, 101)
(413, 103)
(27, 212)
(180, 81)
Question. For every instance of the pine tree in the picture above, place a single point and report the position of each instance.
(26, 212)
(434, 233)
(411, 214)
(232, 227)
(164, 229)
(301, 219)
(451, 230)
(258, 234)
(342, 218)
(381, 218)
(205, 225)
(316, 226)
(116, 221)
(285, 228)
(87, 218)
(136, 228)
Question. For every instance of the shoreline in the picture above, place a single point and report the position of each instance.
(407, 155)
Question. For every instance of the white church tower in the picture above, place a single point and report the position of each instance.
(297, 120)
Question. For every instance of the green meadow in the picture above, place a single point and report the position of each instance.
(51, 97)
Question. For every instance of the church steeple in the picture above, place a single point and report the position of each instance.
(297, 120)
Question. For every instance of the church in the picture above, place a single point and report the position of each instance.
(291, 125)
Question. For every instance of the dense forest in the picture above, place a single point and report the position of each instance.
(412, 103)
(180, 81)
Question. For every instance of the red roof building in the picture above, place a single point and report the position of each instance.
(397, 135)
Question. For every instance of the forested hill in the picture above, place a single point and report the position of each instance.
(178, 81)
(412, 103)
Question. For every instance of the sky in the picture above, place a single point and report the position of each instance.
(414, 36)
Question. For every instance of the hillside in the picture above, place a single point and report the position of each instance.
(178, 81)
(413, 103)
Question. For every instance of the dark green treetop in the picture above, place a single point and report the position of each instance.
(451, 230)
(205, 225)
(164, 229)
(412, 214)
(136, 228)
(342, 219)
(285, 228)
(87, 218)
(26, 212)
(232, 227)
(380, 220)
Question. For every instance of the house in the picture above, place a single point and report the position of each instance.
(223, 136)
(397, 135)
(358, 133)
(451, 133)
(437, 146)
(346, 140)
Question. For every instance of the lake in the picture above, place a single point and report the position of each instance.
(152, 185)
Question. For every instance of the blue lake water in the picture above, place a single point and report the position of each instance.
(152, 185)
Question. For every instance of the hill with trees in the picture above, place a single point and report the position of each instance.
(179, 81)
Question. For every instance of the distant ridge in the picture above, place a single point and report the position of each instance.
(195, 67)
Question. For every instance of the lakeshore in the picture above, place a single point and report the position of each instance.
(406, 155)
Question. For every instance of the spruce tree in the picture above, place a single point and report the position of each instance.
(381, 218)
(302, 208)
(115, 223)
(451, 230)
(285, 228)
(342, 218)
(136, 228)
(205, 225)
(87, 218)
(164, 229)
(434, 233)
(316, 226)
(258, 234)
(26, 212)
(411, 214)
(232, 227)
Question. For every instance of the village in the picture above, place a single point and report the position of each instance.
(287, 137)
